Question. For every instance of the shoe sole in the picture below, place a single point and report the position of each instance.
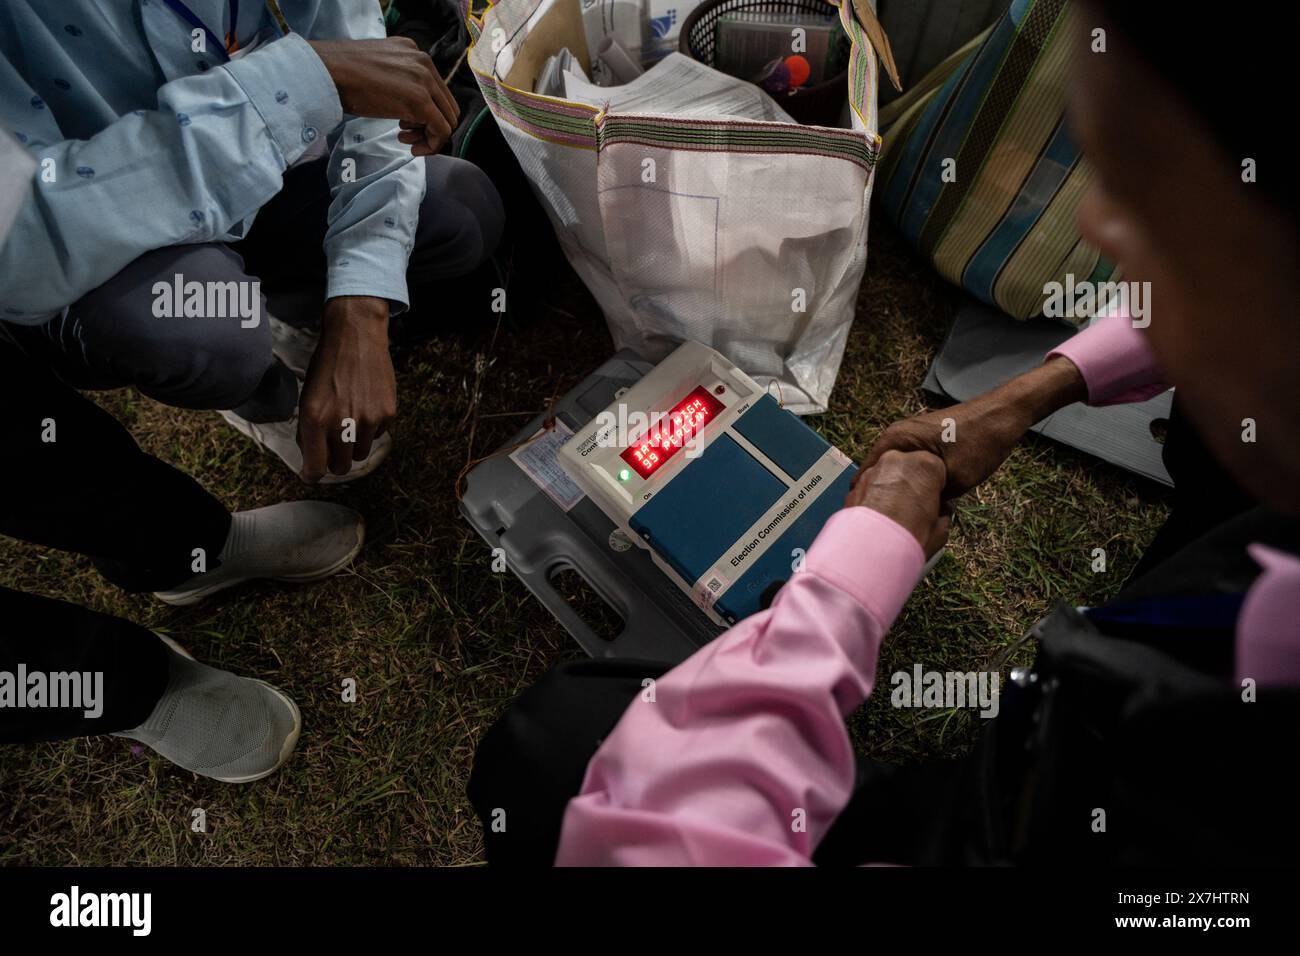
(290, 742)
(368, 466)
(173, 645)
(193, 597)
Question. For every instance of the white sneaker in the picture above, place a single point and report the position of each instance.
(296, 541)
(217, 724)
(292, 346)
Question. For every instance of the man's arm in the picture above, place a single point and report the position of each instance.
(742, 756)
(377, 177)
(378, 182)
(211, 154)
(1107, 363)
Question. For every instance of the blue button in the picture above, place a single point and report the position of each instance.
(309, 134)
(281, 96)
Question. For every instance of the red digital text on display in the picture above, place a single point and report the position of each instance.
(671, 433)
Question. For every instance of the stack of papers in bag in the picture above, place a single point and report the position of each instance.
(550, 81)
(680, 86)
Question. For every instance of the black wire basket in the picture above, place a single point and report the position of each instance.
(819, 105)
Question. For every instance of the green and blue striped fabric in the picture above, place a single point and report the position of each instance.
(1002, 222)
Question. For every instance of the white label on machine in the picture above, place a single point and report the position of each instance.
(537, 459)
(708, 591)
(769, 528)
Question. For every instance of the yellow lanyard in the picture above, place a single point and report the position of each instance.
(278, 16)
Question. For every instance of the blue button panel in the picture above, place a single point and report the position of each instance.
(710, 504)
(776, 563)
(781, 436)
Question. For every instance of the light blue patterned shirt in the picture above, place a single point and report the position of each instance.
(143, 143)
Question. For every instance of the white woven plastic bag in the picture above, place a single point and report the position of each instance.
(746, 236)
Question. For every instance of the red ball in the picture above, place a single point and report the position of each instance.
(799, 69)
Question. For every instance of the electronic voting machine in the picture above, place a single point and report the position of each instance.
(702, 467)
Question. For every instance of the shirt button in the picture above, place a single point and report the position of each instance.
(309, 134)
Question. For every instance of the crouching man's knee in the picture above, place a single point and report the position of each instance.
(184, 324)
(461, 220)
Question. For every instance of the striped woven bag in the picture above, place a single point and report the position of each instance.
(978, 168)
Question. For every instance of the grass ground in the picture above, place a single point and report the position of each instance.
(439, 645)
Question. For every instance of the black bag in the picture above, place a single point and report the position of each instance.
(1131, 744)
(1128, 742)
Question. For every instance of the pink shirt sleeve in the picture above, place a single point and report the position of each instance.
(1268, 643)
(740, 755)
(1117, 364)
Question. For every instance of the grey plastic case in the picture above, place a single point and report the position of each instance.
(540, 539)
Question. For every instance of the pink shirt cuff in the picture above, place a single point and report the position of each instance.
(870, 557)
(1115, 360)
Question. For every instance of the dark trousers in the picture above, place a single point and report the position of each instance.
(110, 338)
(74, 479)
(532, 761)
(50, 636)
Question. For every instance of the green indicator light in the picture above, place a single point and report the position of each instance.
(624, 475)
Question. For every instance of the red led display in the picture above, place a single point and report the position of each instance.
(671, 433)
